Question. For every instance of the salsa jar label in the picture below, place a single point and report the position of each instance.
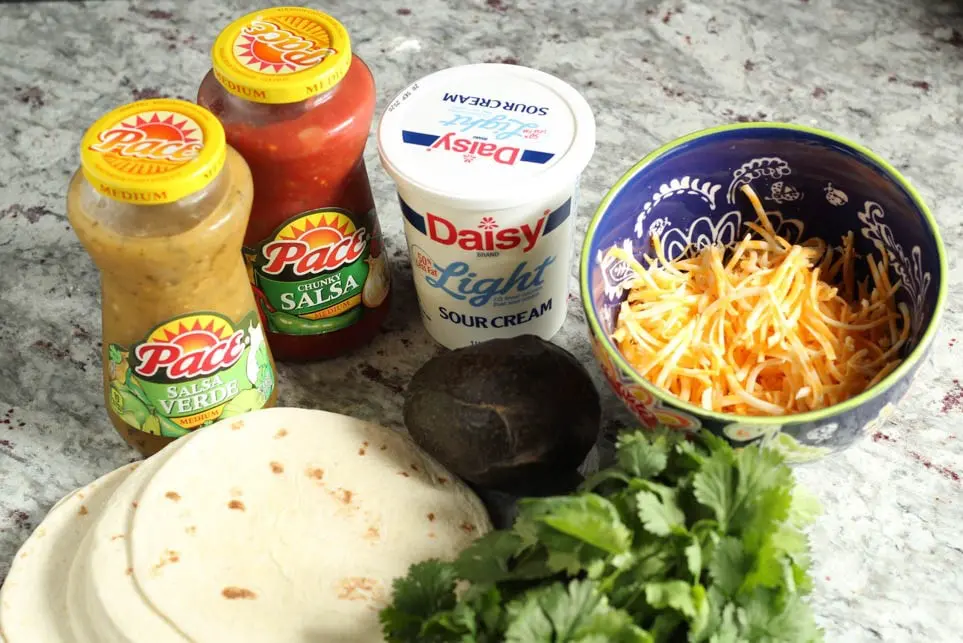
(189, 372)
(318, 272)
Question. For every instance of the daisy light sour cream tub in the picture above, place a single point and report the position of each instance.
(486, 159)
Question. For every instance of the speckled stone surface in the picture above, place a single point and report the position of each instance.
(889, 73)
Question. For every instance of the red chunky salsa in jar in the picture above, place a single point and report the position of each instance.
(298, 106)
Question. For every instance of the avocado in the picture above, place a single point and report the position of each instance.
(515, 415)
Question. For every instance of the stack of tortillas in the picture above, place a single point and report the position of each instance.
(282, 525)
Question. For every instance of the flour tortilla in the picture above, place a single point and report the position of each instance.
(106, 604)
(290, 526)
(33, 602)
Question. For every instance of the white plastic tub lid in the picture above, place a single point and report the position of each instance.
(487, 136)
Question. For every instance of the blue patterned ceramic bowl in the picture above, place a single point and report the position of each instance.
(686, 193)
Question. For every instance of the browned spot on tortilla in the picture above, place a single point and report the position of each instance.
(280, 434)
(236, 504)
(134, 504)
(130, 571)
(361, 451)
(359, 588)
(414, 467)
(235, 593)
(173, 495)
(118, 537)
(191, 530)
(404, 473)
(170, 556)
(383, 447)
(442, 479)
(467, 527)
(237, 425)
(236, 492)
(277, 467)
(372, 534)
(431, 534)
(83, 510)
(431, 517)
(314, 472)
(346, 496)
(80, 495)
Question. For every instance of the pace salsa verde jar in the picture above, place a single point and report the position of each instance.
(161, 205)
(298, 105)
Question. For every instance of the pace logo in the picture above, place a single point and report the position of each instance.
(151, 142)
(189, 347)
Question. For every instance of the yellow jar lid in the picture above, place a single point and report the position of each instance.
(153, 151)
(281, 55)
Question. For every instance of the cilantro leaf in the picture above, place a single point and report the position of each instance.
(554, 613)
(587, 517)
(642, 456)
(528, 622)
(611, 627)
(729, 566)
(714, 488)
(605, 478)
(804, 508)
(568, 611)
(114, 354)
(676, 594)
(678, 541)
(455, 625)
(693, 558)
(487, 560)
(763, 492)
(762, 620)
(428, 588)
(660, 516)
(769, 567)
(652, 562)
(727, 630)
(578, 613)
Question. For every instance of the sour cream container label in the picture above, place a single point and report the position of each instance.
(486, 160)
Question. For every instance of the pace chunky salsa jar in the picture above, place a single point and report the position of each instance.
(161, 204)
(298, 106)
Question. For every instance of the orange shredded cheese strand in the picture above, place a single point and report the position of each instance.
(766, 327)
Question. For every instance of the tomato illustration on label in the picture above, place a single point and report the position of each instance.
(189, 372)
(317, 273)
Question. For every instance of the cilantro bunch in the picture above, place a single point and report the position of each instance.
(678, 541)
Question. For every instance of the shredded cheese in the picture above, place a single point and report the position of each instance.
(766, 327)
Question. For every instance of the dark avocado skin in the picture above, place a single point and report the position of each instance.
(516, 415)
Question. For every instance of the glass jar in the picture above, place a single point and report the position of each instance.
(298, 106)
(161, 204)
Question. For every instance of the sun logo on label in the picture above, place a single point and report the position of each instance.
(313, 244)
(149, 143)
(188, 348)
(282, 45)
(488, 223)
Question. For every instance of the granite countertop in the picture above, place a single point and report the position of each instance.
(889, 73)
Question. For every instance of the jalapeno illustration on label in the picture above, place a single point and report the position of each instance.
(318, 272)
(189, 372)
